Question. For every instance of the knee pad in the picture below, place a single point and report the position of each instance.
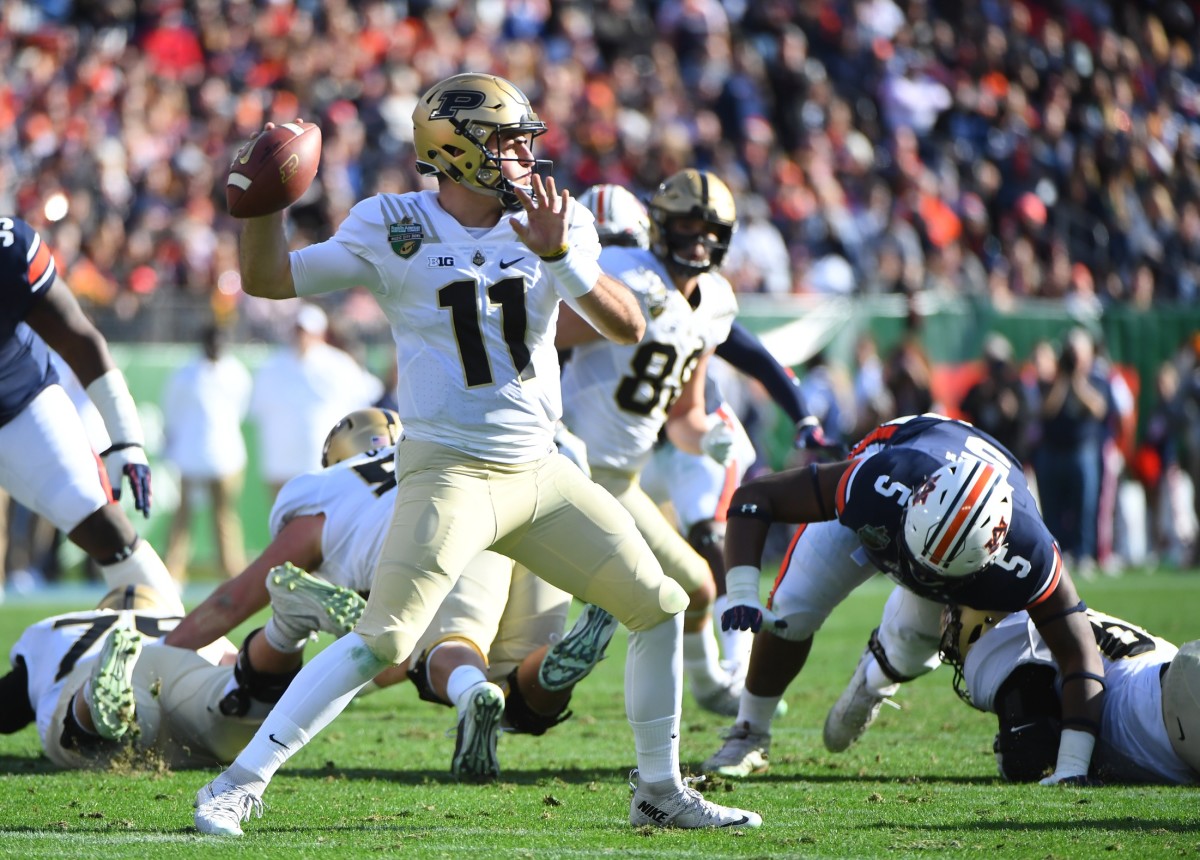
(523, 719)
(1029, 713)
(707, 537)
(253, 685)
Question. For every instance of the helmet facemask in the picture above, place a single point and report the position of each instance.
(692, 195)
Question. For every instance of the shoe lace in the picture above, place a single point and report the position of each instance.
(239, 802)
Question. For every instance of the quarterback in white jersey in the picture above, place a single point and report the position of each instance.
(471, 277)
(1004, 667)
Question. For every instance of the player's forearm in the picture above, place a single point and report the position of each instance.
(223, 610)
(1081, 670)
(686, 430)
(263, 256)
(612, 309)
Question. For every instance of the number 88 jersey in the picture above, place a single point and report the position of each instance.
(616, 397)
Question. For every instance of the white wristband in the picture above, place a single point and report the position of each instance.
(1074, 753)
(115, 405)
(574, 276)
(741, 584)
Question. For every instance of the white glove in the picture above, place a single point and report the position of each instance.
(746, 611)
(126, 459)
(717, 441)
(1074, 758)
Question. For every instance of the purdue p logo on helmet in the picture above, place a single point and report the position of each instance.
(453, 125)
(957, 523)
(359, 432)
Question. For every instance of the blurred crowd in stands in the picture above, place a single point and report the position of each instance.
(988, 149)
(998, 149)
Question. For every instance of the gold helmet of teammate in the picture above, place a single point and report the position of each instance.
(359, 432)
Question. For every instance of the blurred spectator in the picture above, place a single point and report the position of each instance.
(1168, 487)
(299, 393)
(997, 404)
(1067, 460)
(1120, 430)
(873, 401)
(204, 404)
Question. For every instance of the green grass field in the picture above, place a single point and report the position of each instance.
(921, 783)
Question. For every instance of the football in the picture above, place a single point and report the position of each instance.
(271, 171)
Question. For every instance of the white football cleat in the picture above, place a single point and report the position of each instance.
(745, 752)
(667, 804)
(303, 604)
(478, 727)
(855, 710)
(221, 807)
(572, 658)
(109, 693)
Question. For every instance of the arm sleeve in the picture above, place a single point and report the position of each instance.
(328, 267)
(746, 352)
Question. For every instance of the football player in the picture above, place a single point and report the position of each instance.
(697, 486)
(943, 510)
(471, 277)
(46, 461)
(618, 397)
(1151, 727)
(485, 646)
(100, 686)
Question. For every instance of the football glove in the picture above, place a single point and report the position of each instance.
(810, 437)
(717, 441)
(128, 460)
(746, 611)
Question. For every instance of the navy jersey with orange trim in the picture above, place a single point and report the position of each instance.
(26, 272)
(875, 490)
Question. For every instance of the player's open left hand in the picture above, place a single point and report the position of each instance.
(548, 212)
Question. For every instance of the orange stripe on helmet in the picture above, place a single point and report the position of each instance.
(950, 532)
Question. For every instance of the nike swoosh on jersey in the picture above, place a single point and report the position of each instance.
(504, 264)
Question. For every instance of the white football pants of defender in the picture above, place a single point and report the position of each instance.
(48, 465)
(502, 609)
(546, 515)
(826, 562)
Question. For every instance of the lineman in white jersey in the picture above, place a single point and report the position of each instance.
(470, 277)
(619, 397)
(100, 687)
(498, 621)
(1003, 666)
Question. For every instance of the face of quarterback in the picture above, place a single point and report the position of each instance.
(514, 151)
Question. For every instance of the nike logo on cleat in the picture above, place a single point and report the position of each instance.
(1180, 723)
(504, 264)
(745, 819)
(271, 737)
(652, 812)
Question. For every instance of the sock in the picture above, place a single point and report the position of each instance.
(735, 644)
(758, 711)
(657, 746)
(313, 700)
(700, 661)
(144, 567)
(281, 640)
(461, 682)
(653, 697)
(877, 682)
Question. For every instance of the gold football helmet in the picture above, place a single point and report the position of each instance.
(454, 122)
(131, 597)
(359, 432)
(961, 629)
(692, 193)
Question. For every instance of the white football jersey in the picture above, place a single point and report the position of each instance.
(1133, 743)
(473, 314)
(616, 397)
(356, 496)
(53, 647)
